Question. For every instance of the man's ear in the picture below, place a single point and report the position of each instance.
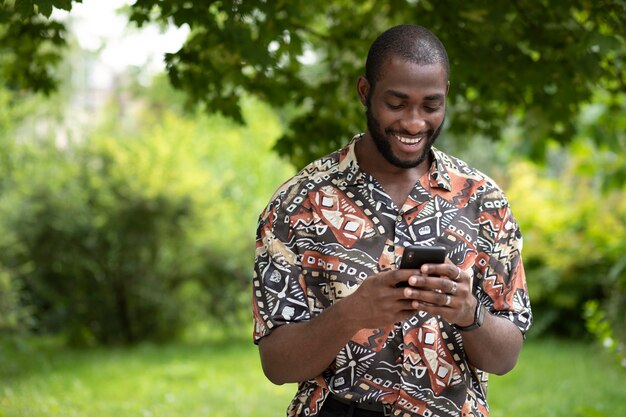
(363, 89)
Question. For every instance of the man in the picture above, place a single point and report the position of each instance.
(328, 312)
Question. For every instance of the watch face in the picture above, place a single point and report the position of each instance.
(480, 315)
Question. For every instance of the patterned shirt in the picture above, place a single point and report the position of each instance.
(332, 225)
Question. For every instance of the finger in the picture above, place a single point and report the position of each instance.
(458, 276)
(432, 308)
(447, 269)
(400, 277)
(446, 286)
(454, 288)
(440, 299)
(432, 283)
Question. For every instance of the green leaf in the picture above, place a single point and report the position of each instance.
(45, 7)
(63, 4)
(24, 7)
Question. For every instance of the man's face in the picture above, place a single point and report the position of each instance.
(406, 110)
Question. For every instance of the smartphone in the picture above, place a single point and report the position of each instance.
(416, 256)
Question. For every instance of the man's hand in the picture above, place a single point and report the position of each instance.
(378, 302)
(443, 290)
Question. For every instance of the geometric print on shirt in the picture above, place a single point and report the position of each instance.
(332, 225)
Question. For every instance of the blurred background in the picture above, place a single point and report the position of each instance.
(140, 140)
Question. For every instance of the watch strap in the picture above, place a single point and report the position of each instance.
(479, 317)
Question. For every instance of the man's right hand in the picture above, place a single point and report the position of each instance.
(379, 302)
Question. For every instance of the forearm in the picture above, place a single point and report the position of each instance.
(302, 351)
(495, 346)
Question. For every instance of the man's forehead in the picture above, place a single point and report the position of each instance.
(401, 77)
(404, 95)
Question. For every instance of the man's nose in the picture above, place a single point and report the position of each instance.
(413, 122)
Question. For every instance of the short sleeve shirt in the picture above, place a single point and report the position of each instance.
(332, 225)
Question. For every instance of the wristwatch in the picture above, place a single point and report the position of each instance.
(479, 317)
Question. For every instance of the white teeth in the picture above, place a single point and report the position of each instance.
(409, 141)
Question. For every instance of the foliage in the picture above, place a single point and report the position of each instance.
(599, 325)
(120, 237)
(573, 237)
(31, 46)
(535, 62)
(89, 247)
(14, 316)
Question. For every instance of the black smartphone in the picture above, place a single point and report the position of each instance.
(416, 256)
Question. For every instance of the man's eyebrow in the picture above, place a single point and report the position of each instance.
(435, 97)
(402, 95)
(397, 93)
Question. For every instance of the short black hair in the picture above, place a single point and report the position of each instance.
(412, 42)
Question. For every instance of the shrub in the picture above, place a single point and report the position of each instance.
(573, 241)
(132, 234)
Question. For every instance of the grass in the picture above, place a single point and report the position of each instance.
(557, 378)
(145, 381)
(553, 378)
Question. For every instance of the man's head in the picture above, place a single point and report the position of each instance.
(404, 91)
(414, 43)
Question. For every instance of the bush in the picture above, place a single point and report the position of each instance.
(94, 244)
(14, 315)
(573, 240)
(132, 234)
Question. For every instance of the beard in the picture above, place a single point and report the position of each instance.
(381, 140)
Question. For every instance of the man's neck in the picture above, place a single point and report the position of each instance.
(397, 182)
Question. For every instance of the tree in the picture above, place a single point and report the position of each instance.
(535, 61)
(30, 45)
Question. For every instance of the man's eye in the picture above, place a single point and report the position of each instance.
(394, 106)
(432, 108)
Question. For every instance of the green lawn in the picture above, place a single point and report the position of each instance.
(553, 378)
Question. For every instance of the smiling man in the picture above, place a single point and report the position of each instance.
(329, 312)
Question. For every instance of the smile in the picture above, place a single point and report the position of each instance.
(409, 141)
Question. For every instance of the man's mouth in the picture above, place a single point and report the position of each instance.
(410, 141)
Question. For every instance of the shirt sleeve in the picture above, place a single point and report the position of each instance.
(500, 280)
(279, 293)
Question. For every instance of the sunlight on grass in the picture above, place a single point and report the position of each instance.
(560, 378)
(144, 381)
(553, 378)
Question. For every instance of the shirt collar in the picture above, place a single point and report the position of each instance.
(439, 176)
(351, 174)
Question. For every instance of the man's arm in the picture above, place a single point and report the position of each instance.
(302, 351)
(495, 346)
